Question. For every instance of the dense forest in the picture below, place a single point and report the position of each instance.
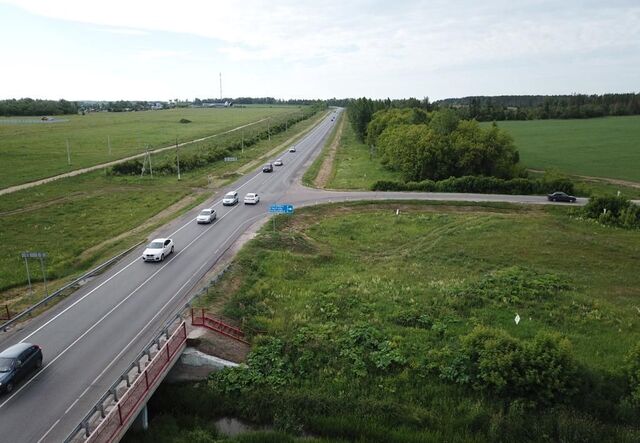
(28, 106)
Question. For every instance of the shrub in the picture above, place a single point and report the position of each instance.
(481, 185)
(598, 205)
(613, 210)
(540, 371)
(184, 120)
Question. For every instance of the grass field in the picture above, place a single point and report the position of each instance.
(599, 147)
(80, 221)
(33, 151)
(359, 304)
(354, 167)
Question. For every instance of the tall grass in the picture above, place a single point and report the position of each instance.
(367, 318)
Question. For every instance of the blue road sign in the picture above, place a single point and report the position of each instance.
(281, 209)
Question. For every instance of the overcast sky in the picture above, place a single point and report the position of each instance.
(160, 50)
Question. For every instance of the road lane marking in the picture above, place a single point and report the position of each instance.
(317, 129)
(142, 330)
(108, 313)
(127, 266)
(50, 429)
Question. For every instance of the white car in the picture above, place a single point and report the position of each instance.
(158, 249)
(278, 162)
(251, 198)
(206, 215)
(230, 199)
(292, 149)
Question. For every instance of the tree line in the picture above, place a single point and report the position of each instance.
(435, 145)
(31, 107)
(539, 107)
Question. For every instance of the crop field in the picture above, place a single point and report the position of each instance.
(366, 315)
(33, 151)
(600, 147)
(83, 220)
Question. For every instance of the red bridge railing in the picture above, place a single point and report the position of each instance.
(128, 405)
(199, 317)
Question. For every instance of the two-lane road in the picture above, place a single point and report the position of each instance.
(90, 338)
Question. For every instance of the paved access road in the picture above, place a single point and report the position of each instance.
(90, 338)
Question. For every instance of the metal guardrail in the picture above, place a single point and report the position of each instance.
(125, 404)
(59, 292)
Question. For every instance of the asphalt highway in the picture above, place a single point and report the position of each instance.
(89, 339)
(92, 336)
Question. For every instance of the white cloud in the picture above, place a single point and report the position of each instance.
(300, 30)
(373, 39)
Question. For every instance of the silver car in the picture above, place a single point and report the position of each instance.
(230, 199)
(206, 215)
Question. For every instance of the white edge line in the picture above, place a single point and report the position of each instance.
(142, 330)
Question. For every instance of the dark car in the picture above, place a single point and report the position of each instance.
(267, 168)
(17, 362)
(561, 197)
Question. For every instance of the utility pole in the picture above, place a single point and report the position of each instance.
(150, 167)
(109, 144)
(221, 86)
(269, 127)
(242, 145)
(68, 153)
(178, 158)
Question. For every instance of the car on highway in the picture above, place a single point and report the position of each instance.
(158, 249)
(230, 199)
(278, 162)
(206, 215)
(251, 198)
(267, 168)
(17, 362)
(292, 149)
(561, 197)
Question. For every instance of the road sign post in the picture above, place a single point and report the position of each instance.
(40, 256)
(280, 209)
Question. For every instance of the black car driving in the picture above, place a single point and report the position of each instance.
(267, 168)
(17, 362)
(561, 197)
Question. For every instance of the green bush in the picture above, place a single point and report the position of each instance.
(613, 210)
(481, 185)
(539, 371)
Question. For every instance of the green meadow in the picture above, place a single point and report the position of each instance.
(369, 324)
(38, 150)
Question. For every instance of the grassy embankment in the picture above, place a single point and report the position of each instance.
(83, 220)
(608, 141)
(33, 151)
(359, 307)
